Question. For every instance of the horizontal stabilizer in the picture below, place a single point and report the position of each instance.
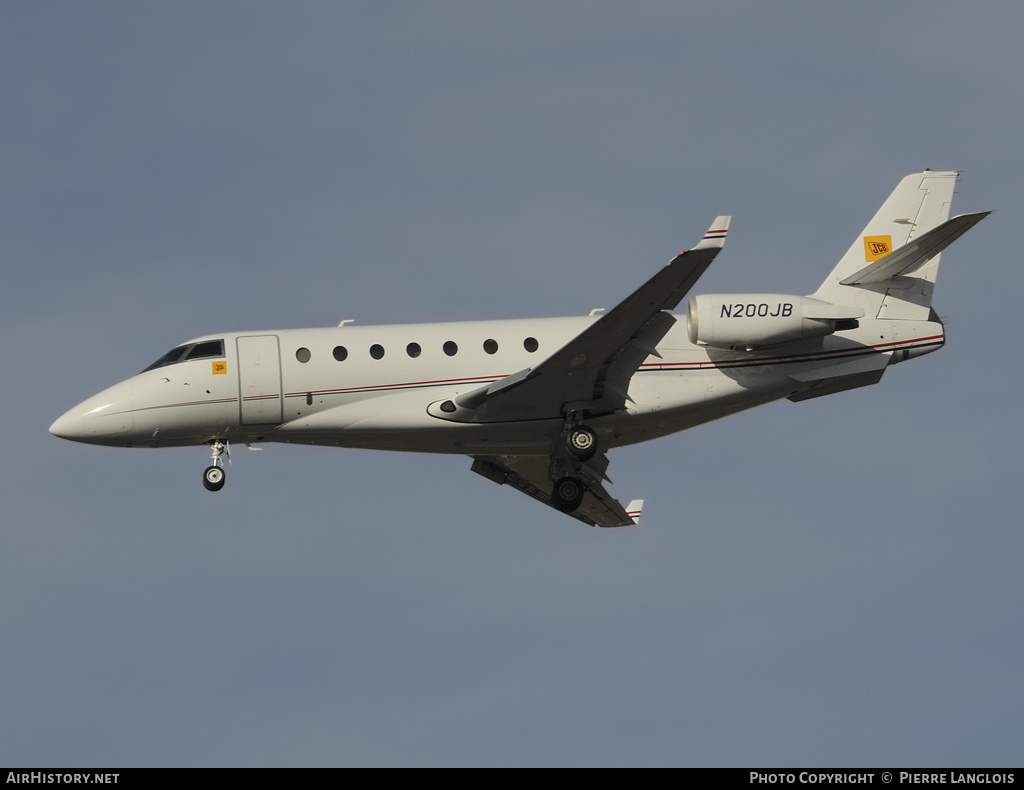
(917, 252)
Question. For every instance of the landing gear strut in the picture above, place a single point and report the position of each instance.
(213, 477)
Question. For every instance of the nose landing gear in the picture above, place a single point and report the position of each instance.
(213, 477)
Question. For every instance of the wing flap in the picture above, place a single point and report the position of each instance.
(529, 474)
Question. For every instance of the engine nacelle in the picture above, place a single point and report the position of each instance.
(751, 321)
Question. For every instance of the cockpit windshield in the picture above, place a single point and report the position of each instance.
(208, 348)
(202, 350)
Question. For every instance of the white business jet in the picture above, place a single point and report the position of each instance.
(538, 404)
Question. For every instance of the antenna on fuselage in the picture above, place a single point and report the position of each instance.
(347, 321)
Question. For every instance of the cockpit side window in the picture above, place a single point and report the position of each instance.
(203, 350)
(169, 358)
(208, 348)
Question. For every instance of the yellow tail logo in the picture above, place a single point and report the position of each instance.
(876, 246)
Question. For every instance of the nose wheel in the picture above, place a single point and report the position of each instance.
(214, 476)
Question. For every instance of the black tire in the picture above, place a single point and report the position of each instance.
(567, 494)
(213, 478)
(582, 443)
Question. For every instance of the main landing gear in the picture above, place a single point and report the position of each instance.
(581, 442)
(579, 446)
(567, 494)
(213, 477)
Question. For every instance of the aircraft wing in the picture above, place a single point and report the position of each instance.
(592, 371)
(529, 474)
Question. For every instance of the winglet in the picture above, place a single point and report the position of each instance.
(715, 237)
(633, 510)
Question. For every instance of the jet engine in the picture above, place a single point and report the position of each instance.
(750, 321)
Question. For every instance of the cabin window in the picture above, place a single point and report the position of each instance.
(450, 348)
(377, 351)
(340, 353)
(413, 350)
(491, 346)
(303, 355)
(531, 344)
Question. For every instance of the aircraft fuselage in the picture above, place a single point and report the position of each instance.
(374, 386)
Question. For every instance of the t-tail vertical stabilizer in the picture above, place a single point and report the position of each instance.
(919, 204)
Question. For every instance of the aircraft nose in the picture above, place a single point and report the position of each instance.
(70, 425)
(105, 418)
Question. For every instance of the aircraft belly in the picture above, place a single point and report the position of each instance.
(667, 402)
(664, 402)
(399, 421)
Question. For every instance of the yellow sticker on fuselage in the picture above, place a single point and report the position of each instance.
(876, 246)
(220, 368)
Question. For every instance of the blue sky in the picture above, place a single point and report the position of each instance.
(835, 582)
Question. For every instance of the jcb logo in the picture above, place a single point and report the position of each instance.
(220, 368)
(876, 246)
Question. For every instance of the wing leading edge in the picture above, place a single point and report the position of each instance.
(588, 376)
(591, 373)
